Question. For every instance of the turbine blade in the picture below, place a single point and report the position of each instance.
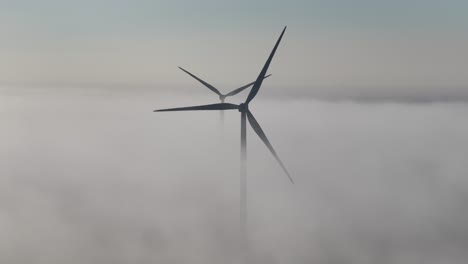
(238, 90)
(223, 106)
(209, 86)
(260, 77)
(258, 129)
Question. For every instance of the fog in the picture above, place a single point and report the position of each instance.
(94, 176)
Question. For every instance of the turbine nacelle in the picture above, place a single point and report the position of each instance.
(222, 97)
(243, 108)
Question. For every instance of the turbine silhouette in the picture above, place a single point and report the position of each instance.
(222, 97)
(246, 114)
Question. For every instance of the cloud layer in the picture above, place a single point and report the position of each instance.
(93, 176)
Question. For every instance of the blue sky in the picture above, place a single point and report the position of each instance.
(101, 16)
(35, 33)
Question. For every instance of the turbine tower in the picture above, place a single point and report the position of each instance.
(222, 97)
(246, 114)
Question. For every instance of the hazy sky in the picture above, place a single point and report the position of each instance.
(328, 43)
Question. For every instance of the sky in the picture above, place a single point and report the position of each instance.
(401, 47)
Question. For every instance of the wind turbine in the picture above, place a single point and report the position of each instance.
(245, 114)
(222, 97)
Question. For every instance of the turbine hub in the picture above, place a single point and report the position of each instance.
(243, 108)
(222, 97)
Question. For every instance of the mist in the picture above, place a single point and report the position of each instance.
(94, 176)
